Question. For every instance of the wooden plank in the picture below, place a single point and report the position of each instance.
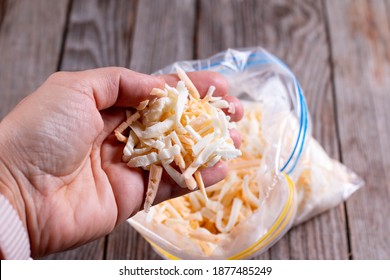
(124, 243)
(3, 8)
(30, 44)
(91, 251)
(295, 32)
(163, 34)
(360, 39)
(99, 35)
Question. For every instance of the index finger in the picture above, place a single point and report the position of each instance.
(202, 81)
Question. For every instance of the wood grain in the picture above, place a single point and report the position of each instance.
(126, 244)
(3, 8)
(91, 251)
(294, 31)
(30, 44)
(337, 49)
(164, 33)
(99, 35)
(360, 39)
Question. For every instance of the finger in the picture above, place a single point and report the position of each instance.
(238, 111)
(128, 184)
(112, 118)
(202, 81)
(110, 86)
(169, 189)
(214, 174)
(236, 137)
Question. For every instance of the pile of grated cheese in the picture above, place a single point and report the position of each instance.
(178, 132)
(207, 222)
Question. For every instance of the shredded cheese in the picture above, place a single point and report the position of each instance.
(178, 132)
(228, 202)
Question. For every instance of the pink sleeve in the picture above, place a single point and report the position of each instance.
(14, 241)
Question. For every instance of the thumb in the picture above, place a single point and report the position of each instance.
(110, 86)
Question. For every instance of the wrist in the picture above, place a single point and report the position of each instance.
(14, 240)
(9, 188)
(14, 237)
(11, 192)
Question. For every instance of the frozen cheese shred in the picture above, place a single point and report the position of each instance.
(227, 203)
(178, 132)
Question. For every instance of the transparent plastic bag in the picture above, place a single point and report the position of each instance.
(322, 183)
(264, 83)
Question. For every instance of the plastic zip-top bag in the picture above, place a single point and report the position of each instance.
(271, 187)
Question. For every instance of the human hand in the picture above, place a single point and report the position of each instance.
(60, 164)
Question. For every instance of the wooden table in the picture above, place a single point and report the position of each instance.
(339, 50)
